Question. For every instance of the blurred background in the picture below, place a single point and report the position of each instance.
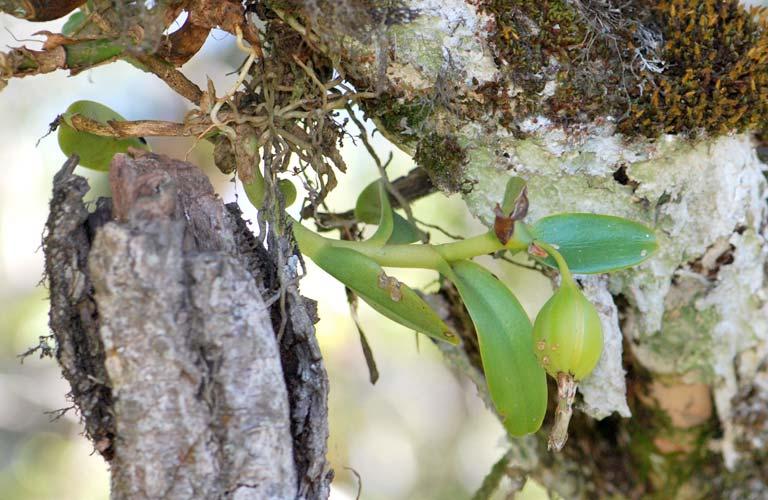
(420, 433)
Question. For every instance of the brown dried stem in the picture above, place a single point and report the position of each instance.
(566, 392)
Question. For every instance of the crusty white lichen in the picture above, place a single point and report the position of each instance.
(604, 391)
(696, 194)
(443, 42)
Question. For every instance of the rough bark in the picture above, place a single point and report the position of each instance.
(163, 332)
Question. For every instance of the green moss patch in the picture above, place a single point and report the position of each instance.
(664, 66)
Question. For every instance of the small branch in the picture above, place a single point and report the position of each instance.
(138, 128)
(414, 185)
(174, 78)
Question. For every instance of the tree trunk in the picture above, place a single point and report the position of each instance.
(590, 102)
(162, 304)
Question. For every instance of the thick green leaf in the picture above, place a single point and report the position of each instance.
(74, 22)
(395, 300)
(403, 231)
(515, 187)
(516, 381)
(95, 151)
(256, 190)
(386, 223)
(368, 210)
(595, 243)
(368, 205)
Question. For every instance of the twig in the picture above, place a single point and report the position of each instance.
(493, 478)
(501, 256)
(438, 228)
(412, 186)
(139, 128)
(172, 77)
(382, 169)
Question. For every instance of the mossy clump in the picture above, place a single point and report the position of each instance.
(443, 158)
(397, 115)
(660, 66)
(528, 33)
(715, 76)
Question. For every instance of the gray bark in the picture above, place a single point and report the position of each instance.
(170, 348)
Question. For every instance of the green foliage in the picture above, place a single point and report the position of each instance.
(255, 190)
(368, 210)
(592, 243)
(567, 335)
(516, 381)
(395, 300)
(95, 151)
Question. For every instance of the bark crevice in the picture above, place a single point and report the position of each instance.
(157, 306)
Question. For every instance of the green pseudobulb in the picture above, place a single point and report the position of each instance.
(567, 334)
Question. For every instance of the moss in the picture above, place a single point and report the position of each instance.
(397, 115)
(527, 33)
(664, 66)
(716, 76)
(443, 158)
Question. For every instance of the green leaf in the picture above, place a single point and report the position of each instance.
(516, 381)
(256, 189)
(256, 193)
(386, 223)
(368, 210)
(403, 231)
(395, 300)
(595, 243)
(288, 190)
(74, 22)
(368, 205)
(515, 187)
(95, 151)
